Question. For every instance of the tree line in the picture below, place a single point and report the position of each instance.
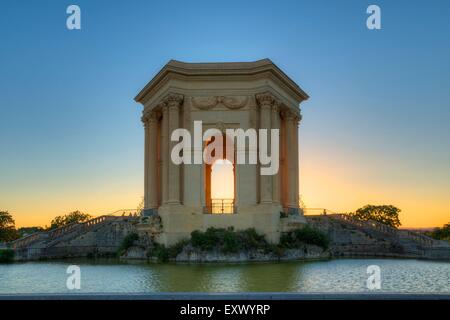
(386, 214)
(9, 232)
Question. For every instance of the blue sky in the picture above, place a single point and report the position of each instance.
(376, 127)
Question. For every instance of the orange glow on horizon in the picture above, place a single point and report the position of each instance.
(333, 184)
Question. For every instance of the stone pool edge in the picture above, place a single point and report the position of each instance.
(228, 296)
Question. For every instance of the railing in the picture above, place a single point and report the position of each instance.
(220, 206)
(421, 238)
(317, 211)
(76, 229)
(381, 227)
(73, 229)
(125, 213)
(370, 224)
(26, 241)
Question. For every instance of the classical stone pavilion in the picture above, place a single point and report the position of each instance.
(222, 95)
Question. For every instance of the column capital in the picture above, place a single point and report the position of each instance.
(290, 115)
(266, 99)
(150, 117)
(276, 107)
(174, 100)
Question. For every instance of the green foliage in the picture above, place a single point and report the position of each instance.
(73, 217)
(25, 231)
(441, 233)
(385, 214)
(160, 252)
(228, 240)
(8, 230)
(6, 255)
(128, 242)
(163, 254)
(306, 235)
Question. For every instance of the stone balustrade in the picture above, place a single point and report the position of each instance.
(374, 225)
(55, 235)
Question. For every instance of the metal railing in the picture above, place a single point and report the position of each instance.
(317, 211)
(220, 206)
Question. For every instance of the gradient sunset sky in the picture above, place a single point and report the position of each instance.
(375, 130)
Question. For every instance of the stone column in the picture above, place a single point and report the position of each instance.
(275, 122)
(144, 120)
(266, 101)
(173, 102)
(152, 171)
(290, 159)
(296, 160)
(165, 152)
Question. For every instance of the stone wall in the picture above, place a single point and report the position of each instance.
(101, 240)
(349, 240)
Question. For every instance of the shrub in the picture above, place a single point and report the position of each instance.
(6, 255)
(177, 248)
(306, 235)
(231, 241)
(128, 242)
(228, 240)
(163, 254)
(440, 233)
(160, 252)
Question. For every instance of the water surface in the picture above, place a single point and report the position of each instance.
(342, 275)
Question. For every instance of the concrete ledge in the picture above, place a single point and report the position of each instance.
(228, 296)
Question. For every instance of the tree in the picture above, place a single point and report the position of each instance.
(25, 231)
(8, 230)
(73, 217)
(441, 233)
(385, 214)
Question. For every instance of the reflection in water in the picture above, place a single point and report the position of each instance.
(345, 275)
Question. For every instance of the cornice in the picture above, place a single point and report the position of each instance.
(224, 70)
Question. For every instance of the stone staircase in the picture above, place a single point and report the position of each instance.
(58, 241)
(355, 237)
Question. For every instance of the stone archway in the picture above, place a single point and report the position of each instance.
(219, 205)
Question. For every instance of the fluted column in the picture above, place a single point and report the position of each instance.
(165, 152)
(144, 120)
(152, 172)
(275, 123)
(266, 101)
(173, 102)
(290, 159)
(296, 159)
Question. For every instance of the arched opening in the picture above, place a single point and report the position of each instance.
(220, 182)
(222, 186)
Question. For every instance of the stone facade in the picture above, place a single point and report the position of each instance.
(243, 95)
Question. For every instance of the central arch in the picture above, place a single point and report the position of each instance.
(220, 183)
